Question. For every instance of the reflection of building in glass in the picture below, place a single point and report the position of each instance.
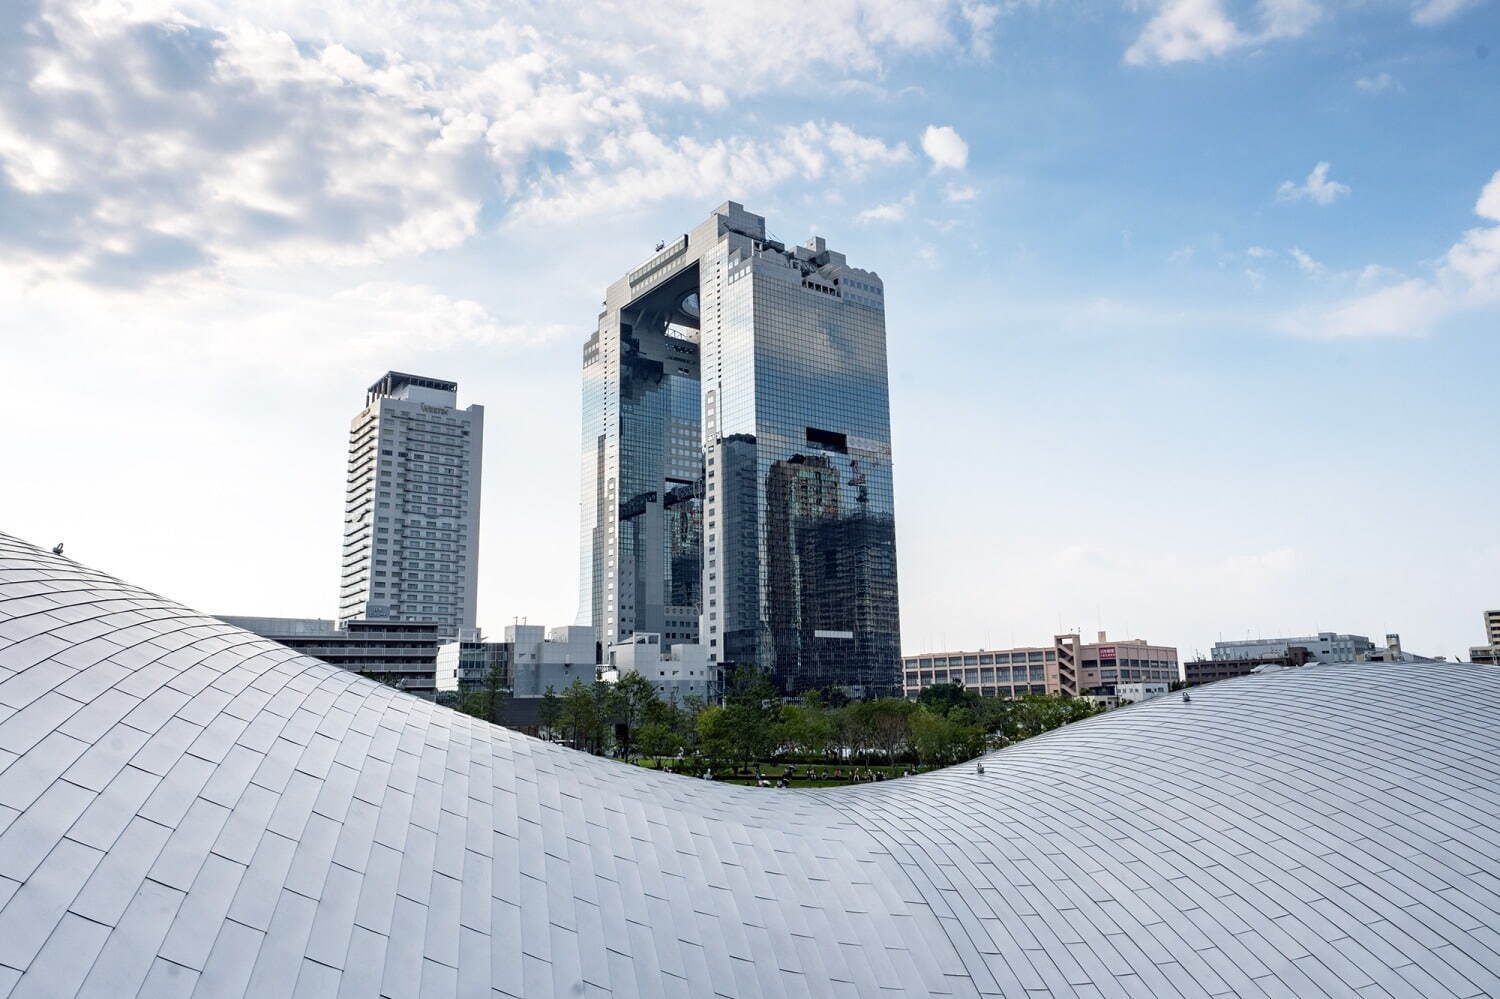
(643, 462)
(737, 461)
(830, 577)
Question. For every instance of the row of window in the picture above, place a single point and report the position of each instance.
(981, 659)
(977, 675)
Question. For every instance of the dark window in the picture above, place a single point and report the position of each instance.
(828, 439)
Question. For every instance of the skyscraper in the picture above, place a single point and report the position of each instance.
(411, 509)
(736, 408)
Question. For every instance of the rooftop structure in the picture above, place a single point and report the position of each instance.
(189, 809)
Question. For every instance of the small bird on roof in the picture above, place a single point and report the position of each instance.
(57, 548)
(979, 769)
(1185, 698)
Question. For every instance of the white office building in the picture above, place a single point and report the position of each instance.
(543, 660)
(411, 511)
(678, 671)
(1325, 647)
(1139, 690)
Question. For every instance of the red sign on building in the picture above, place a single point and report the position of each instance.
(1106, 652)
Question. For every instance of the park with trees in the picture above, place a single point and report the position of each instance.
(752, 731)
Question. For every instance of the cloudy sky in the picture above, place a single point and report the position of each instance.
(1193, 306)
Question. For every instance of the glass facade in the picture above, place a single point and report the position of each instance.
(737, 458)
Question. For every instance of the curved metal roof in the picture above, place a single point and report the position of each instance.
(187, 809)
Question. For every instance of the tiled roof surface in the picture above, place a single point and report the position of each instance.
(188, 809)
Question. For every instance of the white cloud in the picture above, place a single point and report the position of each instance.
(1468, 276)
(959, 193)
(1376, 275)
(138, 148)
(692, 42)
(1379, 84)
(1287, 18)
(1430, 13)
(418, 317)
(641, 168)
(945, 147)
(1192, 30)
(1306, 264)
(1184, 30)
(1488, 205)
(891, 211)
(1406, 309)
(232, 326)
(856, 152)
(142, 140)
(1316, 188)
(981, 18)
(1260, 252)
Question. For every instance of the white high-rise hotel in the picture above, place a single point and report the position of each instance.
(411, 511)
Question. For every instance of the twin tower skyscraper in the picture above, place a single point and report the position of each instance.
(737, 459)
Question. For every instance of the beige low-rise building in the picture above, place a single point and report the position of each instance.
(1068, 666)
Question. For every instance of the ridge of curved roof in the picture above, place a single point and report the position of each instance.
(189, 809)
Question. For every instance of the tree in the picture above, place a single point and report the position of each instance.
(584, 715)
(658, 739)
(1033, 714)
(750, 710)
(807, 728)
(715, 736)
(485, 701)
(887, 722)
(944, 738)
(854, 736)
(606, 698)
(548, 713)
(634, 697)
(683, 719)
(943, 697)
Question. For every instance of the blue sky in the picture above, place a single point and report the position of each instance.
(1192, 305)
